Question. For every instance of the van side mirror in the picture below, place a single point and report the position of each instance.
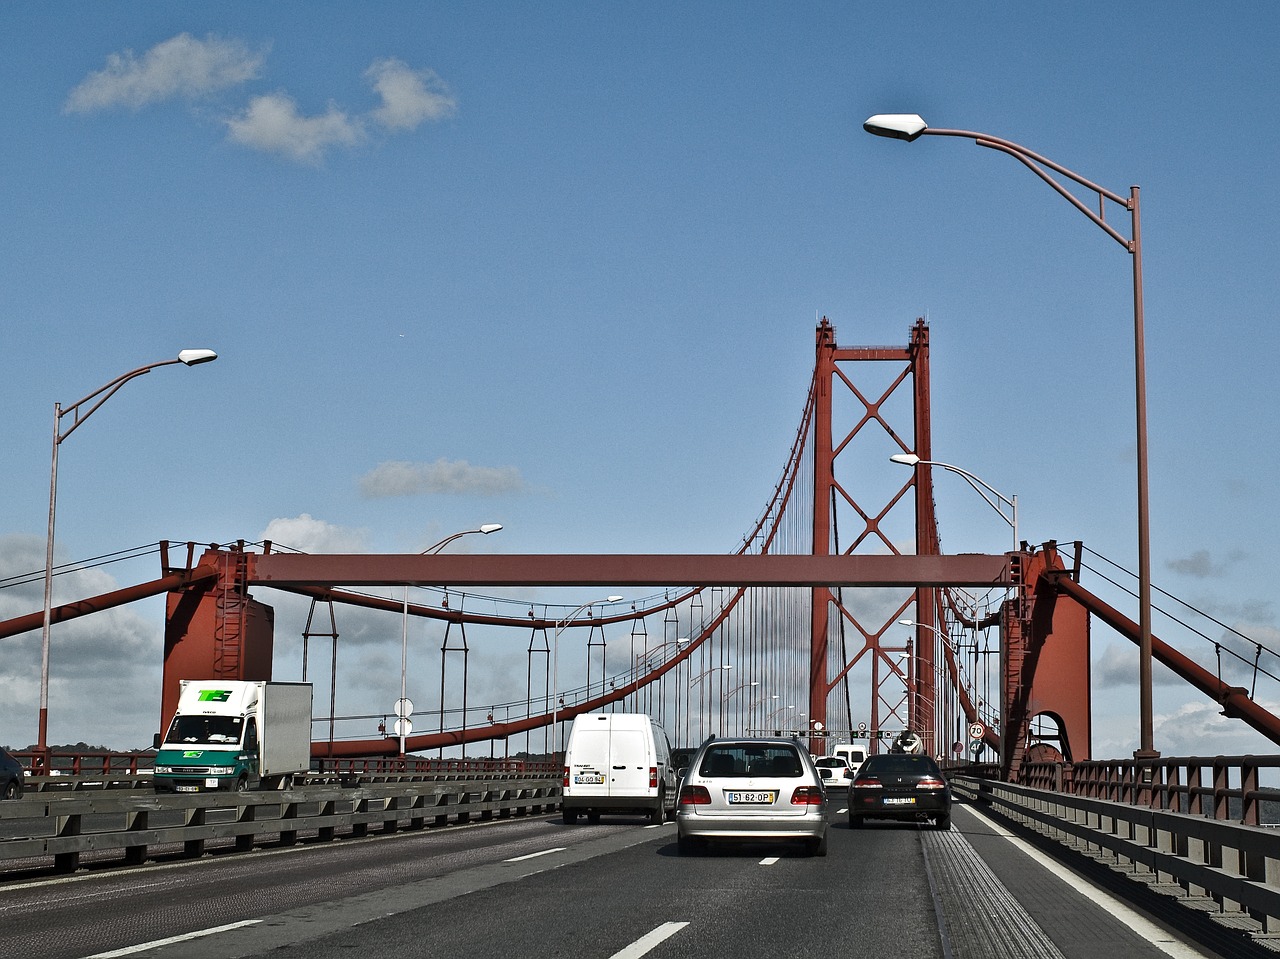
(155, 741)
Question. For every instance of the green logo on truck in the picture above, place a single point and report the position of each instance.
(214, 695)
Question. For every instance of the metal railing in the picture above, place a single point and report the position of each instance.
(1168, 829)
(41, 830)
(1227, 788)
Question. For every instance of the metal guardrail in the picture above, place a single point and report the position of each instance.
(133, 823)
(77, 771)
(1233, 868)
(1223, 787)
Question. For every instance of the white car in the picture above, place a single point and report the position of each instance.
(835, 772)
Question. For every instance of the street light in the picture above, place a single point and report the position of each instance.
(96, 399)
(561, 625)
(707, 672)
(910, 126)
(404, 708)
(725, 698)
(911, 459)
(938, 669)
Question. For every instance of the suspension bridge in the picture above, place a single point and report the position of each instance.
(799, 630)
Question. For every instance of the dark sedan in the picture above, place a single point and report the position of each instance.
(11, 776)
(900, 786)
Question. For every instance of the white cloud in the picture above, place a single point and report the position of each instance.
(180, 67)
(400, 478)
(310, 535)
(409, 97)
(104, 668)
(273, 124)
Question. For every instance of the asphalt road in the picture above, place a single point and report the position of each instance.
(616, 890)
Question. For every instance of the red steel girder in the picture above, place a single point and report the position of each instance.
(619, 569)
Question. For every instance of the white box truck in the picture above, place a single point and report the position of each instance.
(233, 734)
(617, 763)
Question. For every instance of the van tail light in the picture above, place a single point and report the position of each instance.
(931, 782)
(565, 784)
(807, 796)
(867, 782)
(653, 777)
(695, 796)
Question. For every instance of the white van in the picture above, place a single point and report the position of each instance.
(853, 755)
(617, 763)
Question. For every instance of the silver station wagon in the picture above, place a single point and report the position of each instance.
(752, 790)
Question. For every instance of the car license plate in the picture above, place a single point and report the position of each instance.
(187, 789)
(751, 798)
(588, 779)
(900, 800)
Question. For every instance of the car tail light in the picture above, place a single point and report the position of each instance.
(653, 777)
(565, 784)
(695, 796)
(867, 782)
(931, 782)
(807, 796)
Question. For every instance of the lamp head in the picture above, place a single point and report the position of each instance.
(906, 622)
(614, 599)
(488, 528)
(896, 126)
(195, 357)
(906, 459)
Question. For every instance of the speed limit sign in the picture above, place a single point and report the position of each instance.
(977, 730)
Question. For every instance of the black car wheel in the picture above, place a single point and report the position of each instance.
(569, 816)
(12, 789)
(688, 846)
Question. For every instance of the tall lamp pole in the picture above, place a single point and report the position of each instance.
(561, 625)
(404, 708)
(94, 401)
(909, 127)
(911, 459)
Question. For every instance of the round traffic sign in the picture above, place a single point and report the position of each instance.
(977, 730)
(404, 707)
(403, 727)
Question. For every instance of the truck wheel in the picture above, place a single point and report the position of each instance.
(593, 816)
(242, 784)
(569, 816)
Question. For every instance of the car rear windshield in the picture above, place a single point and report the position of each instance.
(900, 763)
(744, 759)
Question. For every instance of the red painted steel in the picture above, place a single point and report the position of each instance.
(119, 597)
(460, 569)
(1234, 700)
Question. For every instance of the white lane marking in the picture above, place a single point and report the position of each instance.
(1148, 930)
(142, 947)
(768, 860)
(535, 855)
(841, 812)
(650, 939)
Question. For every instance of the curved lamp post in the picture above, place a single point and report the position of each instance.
(910, 459)
(561, 625)
(404, 708)
(909, 127)
(94, 400)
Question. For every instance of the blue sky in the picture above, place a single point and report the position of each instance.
(563, 262)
